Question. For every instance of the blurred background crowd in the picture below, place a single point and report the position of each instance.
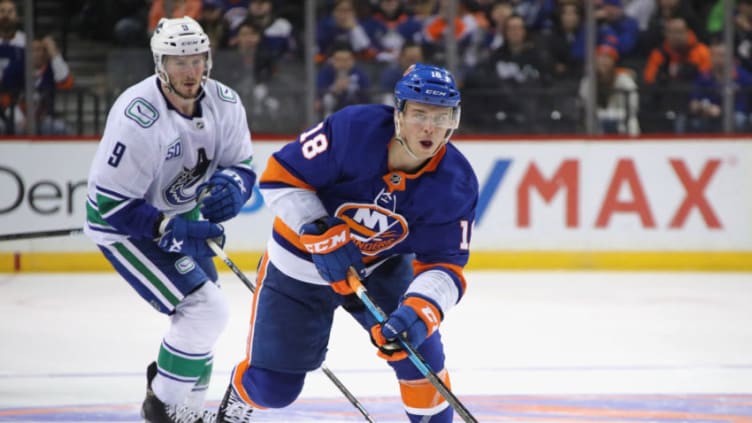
(625, 67)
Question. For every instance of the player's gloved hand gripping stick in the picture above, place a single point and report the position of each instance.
(354, 280)
(180, 235)
(224, 194)
(415, 317)
(332, 250)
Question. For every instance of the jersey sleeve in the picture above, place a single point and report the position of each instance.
(314, 160)
(235, 133)
(442, 247)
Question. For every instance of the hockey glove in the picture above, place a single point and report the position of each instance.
(188, 237)
(333, 252)
(416, 318)
(227, 191)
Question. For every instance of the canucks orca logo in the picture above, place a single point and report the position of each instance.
(179, 191)
(374, 229)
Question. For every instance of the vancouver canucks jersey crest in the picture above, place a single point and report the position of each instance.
(182, 189)
(375, 227)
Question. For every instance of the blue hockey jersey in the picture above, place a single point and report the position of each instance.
(344, 161)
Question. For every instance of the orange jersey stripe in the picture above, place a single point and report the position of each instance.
(259, 282)
(288, 234)
(237, 383)
(240, 368)
(421, 393)
(276, 173)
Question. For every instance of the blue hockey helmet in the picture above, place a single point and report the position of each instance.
(427, 84)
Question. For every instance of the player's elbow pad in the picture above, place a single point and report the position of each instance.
(137, 219)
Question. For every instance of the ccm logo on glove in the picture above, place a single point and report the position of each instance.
(332, 251)
(331, 240)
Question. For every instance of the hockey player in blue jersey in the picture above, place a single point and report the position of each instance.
(381, 189)
(169, 138)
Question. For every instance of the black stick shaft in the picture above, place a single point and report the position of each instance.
(41, 234)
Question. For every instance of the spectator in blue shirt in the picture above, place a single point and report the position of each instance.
(705, 106)
(277, 31)
(51, 74)
(537, 14)
(343, 26)
(412, 28)
(611, 14)
(340, 81)
(12, 54)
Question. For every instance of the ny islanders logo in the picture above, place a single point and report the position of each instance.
(373, 227)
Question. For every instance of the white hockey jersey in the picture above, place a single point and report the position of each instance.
(151, 151)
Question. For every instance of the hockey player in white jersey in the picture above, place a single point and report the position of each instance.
(169, 138)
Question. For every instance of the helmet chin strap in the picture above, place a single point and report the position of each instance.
(401, 141)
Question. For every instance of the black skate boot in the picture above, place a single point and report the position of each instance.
(233, 409)
(153, 410)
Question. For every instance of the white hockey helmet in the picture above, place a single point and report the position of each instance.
(179, 37)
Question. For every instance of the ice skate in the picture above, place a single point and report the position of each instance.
(233, 409)
(153, 410)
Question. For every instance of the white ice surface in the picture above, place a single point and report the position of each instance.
(68, 339)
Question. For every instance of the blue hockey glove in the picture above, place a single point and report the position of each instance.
(228, 191)
(416, 318)
(188, 237)
(333, 252)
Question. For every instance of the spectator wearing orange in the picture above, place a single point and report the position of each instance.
(180, 8)
(680, 58)
(664, 11)
(671, 69)
(467, 33)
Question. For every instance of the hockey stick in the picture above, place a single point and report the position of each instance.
(252, 287)
(420, 363)
(41, 234)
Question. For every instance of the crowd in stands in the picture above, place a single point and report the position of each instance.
(659, 63)
(50, 71)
